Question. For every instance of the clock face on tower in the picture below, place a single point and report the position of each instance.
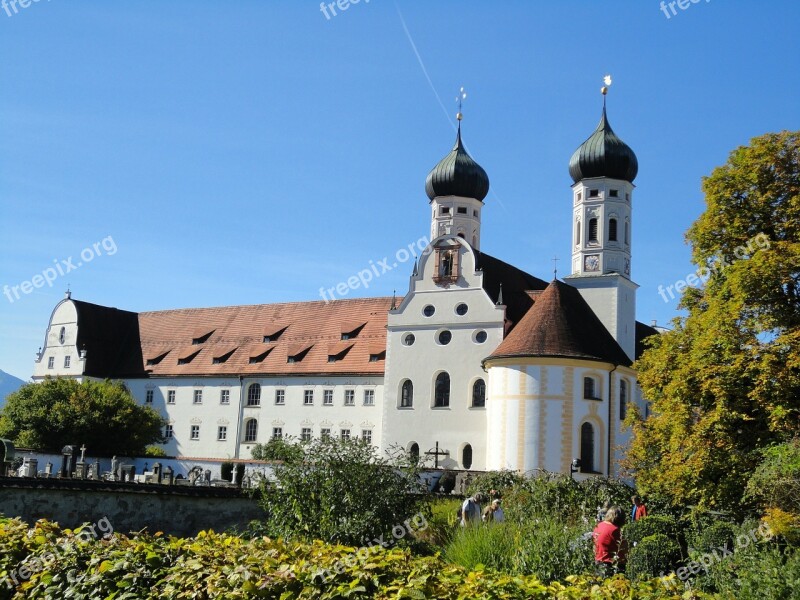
(591, 263)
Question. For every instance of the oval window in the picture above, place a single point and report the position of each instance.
(462, 309)
(445, 337)
(428, 310)
(481, 337)
(409, 339)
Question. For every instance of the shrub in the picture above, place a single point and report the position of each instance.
(502, 481)
(652, 556)
(636, 531)
(552, 551)
(341, 490)
(493, 546)
(213, 565)
(717, 535)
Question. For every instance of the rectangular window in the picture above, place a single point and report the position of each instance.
(462, 210)
(168, 432)
(148, 397)
(594, 193)
(195, 435)
(325, 433)
(327, 397)
(349, 397)
(369, 397)
(366, 435)
(305, 434)
(198, 397)
(588, 388)
(222, 433)
(445, 210)
(580, 196)
(51, 362)
(308, 397)
(171, 397)
(224, 396)
(280, 396)
(345, 434)
(67, 361)
(277, 433)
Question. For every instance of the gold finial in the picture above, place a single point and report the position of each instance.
(462, 95)
(607, 81)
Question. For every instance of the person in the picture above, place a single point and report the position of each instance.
(609, 548)
(601, 511)
(471, 510)
(493, 512)
(639, 510)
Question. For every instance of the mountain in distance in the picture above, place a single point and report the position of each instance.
(8, 384)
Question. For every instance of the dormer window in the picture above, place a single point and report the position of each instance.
(201, 336)
(350, 331)
(298, 353)
(187, 358)
(154, 360)
(271, 334)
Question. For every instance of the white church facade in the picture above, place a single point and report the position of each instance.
(495, 368)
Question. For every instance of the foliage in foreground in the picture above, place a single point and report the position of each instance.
(342, 491)
(224, 566)
(100, 414)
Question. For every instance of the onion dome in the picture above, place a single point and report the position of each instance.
(603, 155)
(457, 175)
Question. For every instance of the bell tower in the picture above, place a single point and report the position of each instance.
(603, 169)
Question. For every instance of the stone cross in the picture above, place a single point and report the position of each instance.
(83, 452)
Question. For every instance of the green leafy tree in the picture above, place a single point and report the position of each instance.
(278, 449)
(342, 491)
(725, 382)
(100, 414)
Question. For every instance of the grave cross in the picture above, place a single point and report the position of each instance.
(83, 452)
(437, 453)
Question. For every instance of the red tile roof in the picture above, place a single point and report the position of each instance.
(313, 326)
(561, 324)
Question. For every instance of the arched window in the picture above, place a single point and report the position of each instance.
(589, 391)
(593, 230)
(627, 237)
(479, 393)
(254, 394)
(441, 393)
(612, 230)
(407, 394)
(413, 451)
(623, 399)
(587, 448)
(250, 430)
(466, 457)
(578, 233)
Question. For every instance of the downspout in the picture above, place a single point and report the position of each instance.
(239, 417)
(608, 433)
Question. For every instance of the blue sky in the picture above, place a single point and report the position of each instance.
(249, 151)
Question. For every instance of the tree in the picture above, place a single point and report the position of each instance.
(100, 414)
(725, 382)
(277, 449)
(342, 491)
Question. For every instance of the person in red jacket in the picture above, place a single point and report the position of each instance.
(609, 548)
(639, 509)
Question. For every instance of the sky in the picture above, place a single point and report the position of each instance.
(158, 155)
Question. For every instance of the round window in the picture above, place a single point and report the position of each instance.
(445, 337)
(409, 339)
(428, 310)
(481, 337)
(462, 309)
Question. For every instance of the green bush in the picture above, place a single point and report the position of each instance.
(552, 551)
(493, 546)
(342, 491)
(218, 566)
(636, 531)
(502, 481)
(653, 556)
(717, 535)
